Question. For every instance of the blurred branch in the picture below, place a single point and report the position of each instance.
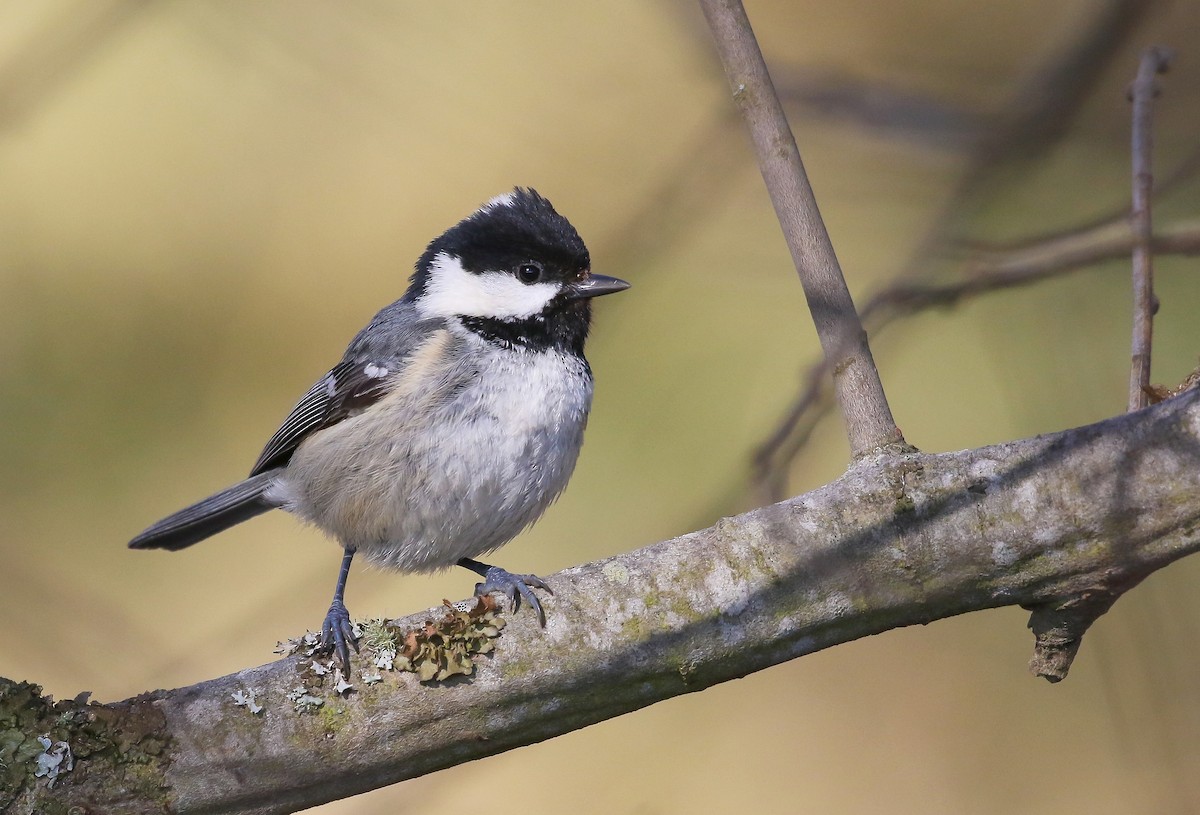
(869, 423)
(1183, 172)
(681, 200)
(57, 52)
(981, 272)
(992, 271)
(899, 540)
(1154, 61)
(887, 110)
(1033, 121)
(1047, 102)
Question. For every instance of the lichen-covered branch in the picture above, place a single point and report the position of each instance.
(1055, 523)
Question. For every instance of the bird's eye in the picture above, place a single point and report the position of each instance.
(529, 273)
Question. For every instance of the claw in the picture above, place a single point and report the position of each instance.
(514, 587)
(336, 632)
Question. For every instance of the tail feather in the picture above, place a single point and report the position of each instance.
(214, 514)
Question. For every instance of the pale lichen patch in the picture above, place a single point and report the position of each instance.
(616, 571)
(246, 699)
(1004, 554)
(54, 760)
(726, 590)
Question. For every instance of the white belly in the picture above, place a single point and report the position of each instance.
(453, 464)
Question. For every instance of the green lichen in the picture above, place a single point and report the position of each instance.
(303, 701)
(333, 718)
(52, 806)
(902, 480)
(126, 741)
(616, 571)
(762, 564)
(378, 635)
(633, 629)
(515, 668)
(682, 607)
(741, 569)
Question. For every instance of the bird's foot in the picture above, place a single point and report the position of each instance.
(337, 634)
(514, 587)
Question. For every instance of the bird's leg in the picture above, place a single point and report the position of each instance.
(337, 630)
(513, 586)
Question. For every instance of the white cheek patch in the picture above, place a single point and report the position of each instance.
(451, 290)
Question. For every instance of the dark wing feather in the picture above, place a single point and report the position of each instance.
(349, 388)
(362, 377)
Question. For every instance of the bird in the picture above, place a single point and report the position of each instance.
(452, 421)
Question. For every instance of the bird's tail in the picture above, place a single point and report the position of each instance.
(238, 503)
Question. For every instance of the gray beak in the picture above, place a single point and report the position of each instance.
(595, 285)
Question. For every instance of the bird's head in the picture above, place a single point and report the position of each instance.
(514, 259)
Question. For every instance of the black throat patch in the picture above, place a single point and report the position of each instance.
(556, 331)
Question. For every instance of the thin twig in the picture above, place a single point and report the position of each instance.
(1154, 61)
(1032, 123)
(981, 273)
(1036, 118)
(991, 271)
(869, 423)
(1183, 172)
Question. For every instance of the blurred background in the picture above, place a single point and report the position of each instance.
(200, 203)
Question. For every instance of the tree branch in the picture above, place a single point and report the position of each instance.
(1032, 122)
(1063, 521)
(1154, 61)
(981, 272)
(869, 422)
(1180, 174)
(994, 271)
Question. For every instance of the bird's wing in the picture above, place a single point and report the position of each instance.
(349, 388)
(354, 384)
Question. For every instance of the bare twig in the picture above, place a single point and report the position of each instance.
(981, 272)
(1182, 173)
(869, 423)
(1059, 626)
(992, 271)
(1031, 124)
(1142, 92)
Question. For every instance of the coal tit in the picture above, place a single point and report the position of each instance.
(453, 419)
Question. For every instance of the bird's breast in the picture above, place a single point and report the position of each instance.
(468, 448)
